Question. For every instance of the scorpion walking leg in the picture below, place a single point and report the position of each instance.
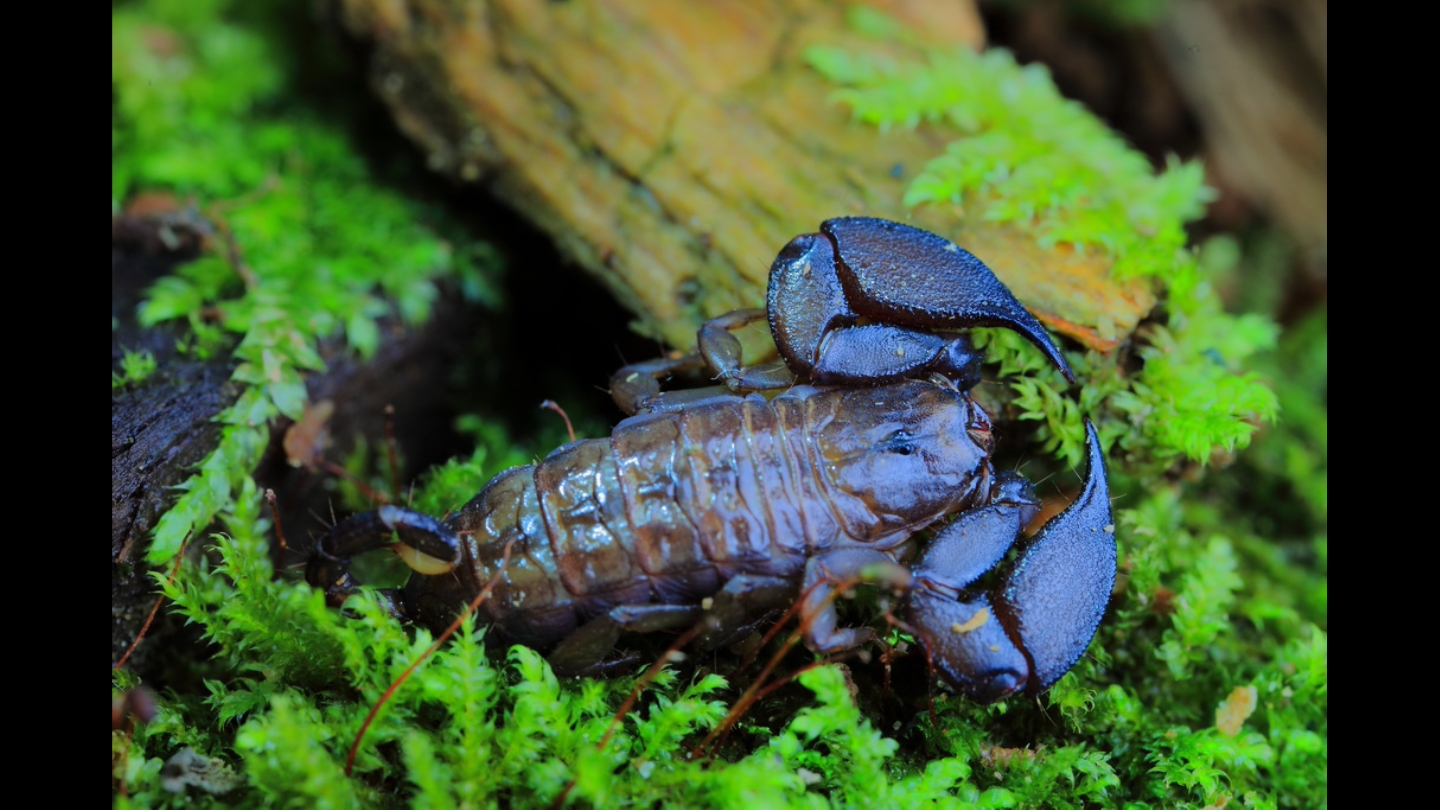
(746, 602)
(734, 611)
(636, 387)
(421, 541)
(584, 651)
(722, 353)
(822, 574)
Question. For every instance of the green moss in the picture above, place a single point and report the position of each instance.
(310, 246)
(135, 368)
(1027, 155)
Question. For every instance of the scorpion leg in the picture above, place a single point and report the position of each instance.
(725, 618)
(421, 541)
(584, 651)
(1032, 629)
(746, 602)
(907, 280)
(722, 353)
(636, 387)
(822, 573)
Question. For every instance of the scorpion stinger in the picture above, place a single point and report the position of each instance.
(423, 542)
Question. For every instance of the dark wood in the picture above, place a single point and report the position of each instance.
(162, 428)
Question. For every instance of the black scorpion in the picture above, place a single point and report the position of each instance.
(719, 506)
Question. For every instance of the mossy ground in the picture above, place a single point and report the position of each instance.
(1223, 581)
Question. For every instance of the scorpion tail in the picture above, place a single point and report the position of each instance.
(421, 541)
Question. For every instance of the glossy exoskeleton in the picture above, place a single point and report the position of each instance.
(715, 507)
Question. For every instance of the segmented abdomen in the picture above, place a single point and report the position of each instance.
(666, 509)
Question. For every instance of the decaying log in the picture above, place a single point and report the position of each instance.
(672, 148)
(164, 426)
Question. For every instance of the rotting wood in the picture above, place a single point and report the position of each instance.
(672, 148)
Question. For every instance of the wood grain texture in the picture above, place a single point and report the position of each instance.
(673, 148)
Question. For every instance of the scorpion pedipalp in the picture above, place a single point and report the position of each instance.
(907, 281)
(1057, 592)
(1032, 628)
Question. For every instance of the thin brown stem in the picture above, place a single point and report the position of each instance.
(441, 639)
(367, 490)
(275, 515)
(390, 449)
(145, 628)
(752, 694)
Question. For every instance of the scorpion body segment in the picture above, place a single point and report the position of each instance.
(674, 505)
(712, 508)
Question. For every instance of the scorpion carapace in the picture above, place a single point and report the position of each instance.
(713, 508)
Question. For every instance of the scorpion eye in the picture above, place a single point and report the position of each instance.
(899, 442)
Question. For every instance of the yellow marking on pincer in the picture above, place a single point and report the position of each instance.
(976, 622)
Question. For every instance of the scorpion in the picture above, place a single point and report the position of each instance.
(714, 508)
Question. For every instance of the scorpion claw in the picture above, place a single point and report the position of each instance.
(908, 282)
(1056, 594)
(1039, 622)
(969, 646)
